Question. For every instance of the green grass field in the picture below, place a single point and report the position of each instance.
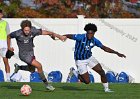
(70, 91)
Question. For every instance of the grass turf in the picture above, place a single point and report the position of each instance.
(71, 91)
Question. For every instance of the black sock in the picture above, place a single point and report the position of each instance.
(24, 67)
(43, 78)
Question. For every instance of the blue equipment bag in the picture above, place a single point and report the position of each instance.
(55, 76)
(123, 78)
(74, 79)
(34, 77)
(91, 78)
(1, 76)
(111, 77)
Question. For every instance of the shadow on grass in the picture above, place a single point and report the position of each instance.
(63, 87)
(74, 88)
(19, 86)
(11, 86)
(79, 88)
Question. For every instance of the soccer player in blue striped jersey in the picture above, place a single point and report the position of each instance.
(83, 55)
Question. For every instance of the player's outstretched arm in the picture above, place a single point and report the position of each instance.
(70, 36)
(54, 35)
(109, 50)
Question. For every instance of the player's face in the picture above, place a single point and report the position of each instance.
(27, 30)
(90, 34)
(1, 15)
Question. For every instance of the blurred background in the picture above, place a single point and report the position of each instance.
(71, 8)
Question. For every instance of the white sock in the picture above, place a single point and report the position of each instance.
(105, 86)
(8, 76)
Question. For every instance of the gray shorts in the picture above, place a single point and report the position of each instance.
(27, 57)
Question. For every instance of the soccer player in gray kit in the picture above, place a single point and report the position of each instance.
(24, 38)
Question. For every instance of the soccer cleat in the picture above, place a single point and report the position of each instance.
(16, 67)
(108, 90)
(73, 71)
(49, 87)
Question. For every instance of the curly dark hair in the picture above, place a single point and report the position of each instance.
(26, 23)
(90, 26)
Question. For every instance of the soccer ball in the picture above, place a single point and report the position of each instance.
(26, 90)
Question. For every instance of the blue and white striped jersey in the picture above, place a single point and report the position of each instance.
(83, 46)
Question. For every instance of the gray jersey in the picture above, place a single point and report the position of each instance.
(25, 43)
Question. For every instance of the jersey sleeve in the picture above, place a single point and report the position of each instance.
(14, 34)
(77, 37)
(98, 43)
(36, 31)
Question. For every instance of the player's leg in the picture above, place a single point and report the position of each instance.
(6, 63)
(41, 74)
(83, 72)
(26, 57)
(7, 68)
(31, 68)
(29, 58)
(101, 72)
(94, 64)
(27, 67)
(84, 78)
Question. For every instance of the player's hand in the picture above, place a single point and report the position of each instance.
(11, 49)
(63, 38)
(9, 53)
(121, 55)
